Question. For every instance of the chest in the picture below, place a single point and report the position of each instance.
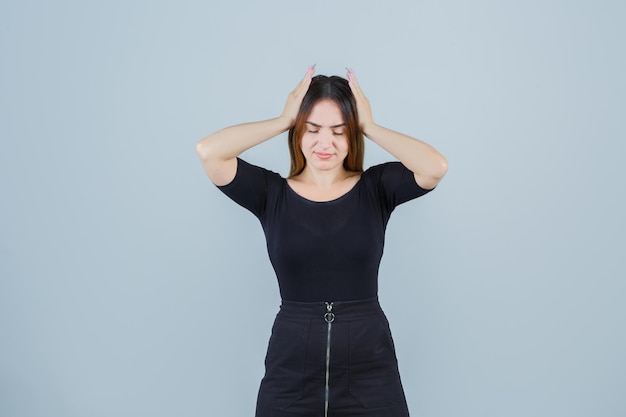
(318, 194)
(355, 217)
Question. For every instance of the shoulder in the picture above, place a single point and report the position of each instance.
(250, 173)
(386, 168)
(246, 166)
(394, 182)
(253, 187)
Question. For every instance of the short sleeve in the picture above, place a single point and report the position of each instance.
(250, 187)
(396, 184)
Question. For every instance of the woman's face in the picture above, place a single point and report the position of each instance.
(325, 143)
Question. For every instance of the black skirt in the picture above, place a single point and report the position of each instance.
(331, 360)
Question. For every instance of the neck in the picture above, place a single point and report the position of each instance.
(324, 178)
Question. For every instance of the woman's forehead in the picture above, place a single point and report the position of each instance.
(326, 113)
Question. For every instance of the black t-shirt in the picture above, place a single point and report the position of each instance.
(324, 251)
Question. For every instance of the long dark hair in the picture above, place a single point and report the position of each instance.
(336, 89)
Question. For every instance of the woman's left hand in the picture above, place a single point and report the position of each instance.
(428, 165)
(363, 107)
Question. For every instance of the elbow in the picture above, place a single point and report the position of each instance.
(438, 168)
(436, 174)
(443, 167)
(203, 149)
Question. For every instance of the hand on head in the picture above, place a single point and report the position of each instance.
(294, 100)
(362, 103)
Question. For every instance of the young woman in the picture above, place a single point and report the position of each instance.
(331, 351)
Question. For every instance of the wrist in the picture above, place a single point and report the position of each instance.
(367, 128)
(285, 122)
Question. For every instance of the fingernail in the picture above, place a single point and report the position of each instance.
(311, 67)
(349, 70)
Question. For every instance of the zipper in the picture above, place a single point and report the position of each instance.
(329, 317)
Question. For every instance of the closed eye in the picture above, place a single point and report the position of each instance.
(338, 133)
(313, 131)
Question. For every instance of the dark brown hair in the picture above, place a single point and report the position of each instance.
(336, 89)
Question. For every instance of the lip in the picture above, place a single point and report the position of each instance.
(323, 155)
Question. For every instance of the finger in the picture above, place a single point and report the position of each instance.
(306, 81)
(350, 74)
(352, 81)
(303, 86)
(309, 72)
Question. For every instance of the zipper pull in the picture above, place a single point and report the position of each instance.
(329, 316)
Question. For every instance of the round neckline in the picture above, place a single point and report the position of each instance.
(341, 197)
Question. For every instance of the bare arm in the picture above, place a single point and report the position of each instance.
(218, 151)
(428, 165)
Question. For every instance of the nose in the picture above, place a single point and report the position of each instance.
(325, 137)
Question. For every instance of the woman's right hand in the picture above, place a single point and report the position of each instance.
(294, 100)
(219, 150)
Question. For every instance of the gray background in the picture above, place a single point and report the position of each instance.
(129, 286)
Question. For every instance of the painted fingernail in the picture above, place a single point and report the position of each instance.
(311, 67)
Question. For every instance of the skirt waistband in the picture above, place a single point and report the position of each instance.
(345, 309)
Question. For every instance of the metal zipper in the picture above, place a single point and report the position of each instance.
(329, 317)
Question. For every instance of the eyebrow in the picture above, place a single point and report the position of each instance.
(332, 127)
